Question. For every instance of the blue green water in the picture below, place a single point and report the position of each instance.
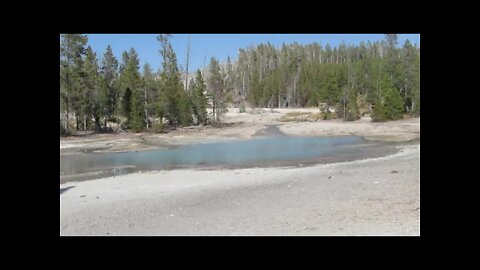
(238, 153)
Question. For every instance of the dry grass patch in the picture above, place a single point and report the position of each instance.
(301, 117)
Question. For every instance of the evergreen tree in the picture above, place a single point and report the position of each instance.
(72, 53)
(91, 104)
(352, 112)
(216, 89)
(133, 98)
(109, 91)
(199, 101)
(256, 91)
(150, 88)
(389, 105)
(293, 75)
(174, 104)
(137, 113)
(330, 91)
(127, 104)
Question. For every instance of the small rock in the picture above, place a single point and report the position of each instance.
(330, 177)
(97, 197)
(393, 172)
(83, 196)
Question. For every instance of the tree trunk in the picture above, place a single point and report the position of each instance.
(84, 122)
(97, 123)
(77, 121)
(188, 54)
(66, 123)
(213, 108)
(294, 88)
(146, 111)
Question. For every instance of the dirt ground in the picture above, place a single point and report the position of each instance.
(376, 196)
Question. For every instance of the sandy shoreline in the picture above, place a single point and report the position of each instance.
(244, 126)
(379, 196)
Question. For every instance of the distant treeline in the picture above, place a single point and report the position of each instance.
(94, 95)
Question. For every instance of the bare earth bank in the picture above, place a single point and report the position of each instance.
(245, 126)
(367, 197)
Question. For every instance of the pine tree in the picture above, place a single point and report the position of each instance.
(353, 112)
(133, 98)
(256, 91)
(330, 91)
(127, 104)
(291, 76)
(72, 53)
(150, 88)
(185, 110)
(393, 104)
(199, 101)
(91, 103)
(170, 83)
(109, 91)
(137, 113)
(389, 105)
(216, 89)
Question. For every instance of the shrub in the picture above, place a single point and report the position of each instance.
(159, 127)
(390, 107)
(327, 115)
(242, 109)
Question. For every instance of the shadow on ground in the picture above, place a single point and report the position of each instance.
(62, 190)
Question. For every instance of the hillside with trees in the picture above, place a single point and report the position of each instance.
(98, 95)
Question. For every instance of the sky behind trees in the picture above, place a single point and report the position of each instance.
(219, 46)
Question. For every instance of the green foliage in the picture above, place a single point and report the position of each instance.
(199, 101)
(217, 89)
(389, 107)
(72, 54)
(185, 110)
(242, 108)
(92, 102)
(393, 104)
(131, 83)
(379, 112)
(256, 91)
(127, 104)
(330, 91)
(293, 75)
(159, 127)
(137, 113)
(363, 105)
(352, 110)
(109, 91)
(327, 115)
(174, 104)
